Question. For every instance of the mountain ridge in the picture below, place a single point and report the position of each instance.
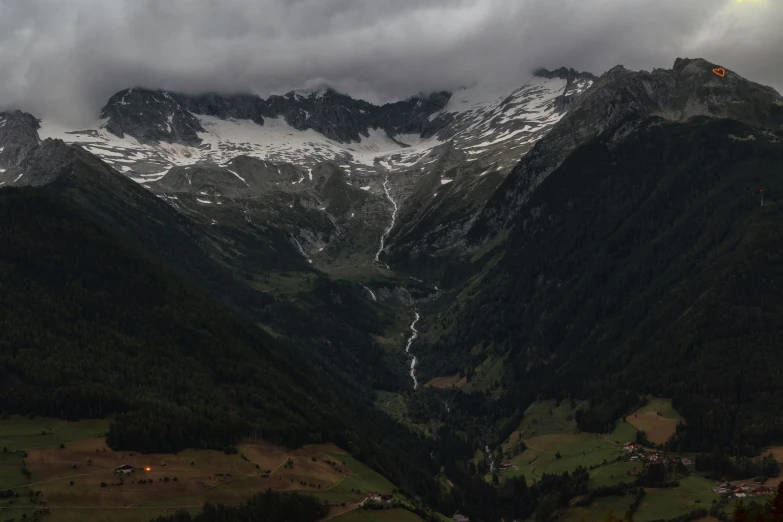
(619, 99)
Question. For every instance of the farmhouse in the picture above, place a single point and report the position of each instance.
(631, 447)
(124, 469)
(762, 490)
(374, 496)
(505, 464)
(460, 518)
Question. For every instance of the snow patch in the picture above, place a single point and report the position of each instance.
(237, 175)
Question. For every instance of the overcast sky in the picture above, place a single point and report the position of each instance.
(63, 59)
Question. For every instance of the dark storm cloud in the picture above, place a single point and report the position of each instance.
(63, 59)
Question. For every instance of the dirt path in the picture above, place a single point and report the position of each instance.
(357, 506)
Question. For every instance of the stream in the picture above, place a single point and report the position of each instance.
(391, 225)
(408, 351)
(491, 461)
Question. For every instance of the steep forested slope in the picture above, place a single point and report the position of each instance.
(93, 327)
(92, 324)
(645, 266)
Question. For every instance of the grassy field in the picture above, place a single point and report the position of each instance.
(11, 470)
(694, 492)
(657, 418)
(584, 449)
(548, 429)
(353, 488)
(446, 381)
(614, 473)
(78, 481)
(390, 515)
(22, 433)
(544, 418)
(487, 373)
(599, 508)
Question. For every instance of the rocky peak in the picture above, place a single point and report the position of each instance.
(565, 73)
(224, 106)
(18, 136)
(150, 116)
(617, 103)
(160, 116)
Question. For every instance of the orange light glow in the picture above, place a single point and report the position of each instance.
(147, 468)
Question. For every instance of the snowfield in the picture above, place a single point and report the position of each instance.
(493, 124)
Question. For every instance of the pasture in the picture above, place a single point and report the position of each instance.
(23, 433)
(446, 382)
(657, 418)
(390, 515)
(78, 481)
(598, 509)
(694, 492)
(541, 455)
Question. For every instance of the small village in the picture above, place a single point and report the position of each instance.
(742, 490)
(639, 453)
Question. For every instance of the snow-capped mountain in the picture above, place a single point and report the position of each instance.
(262, 160)
(143, 133)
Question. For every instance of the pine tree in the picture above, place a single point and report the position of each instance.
(741, 513)
(776, 506)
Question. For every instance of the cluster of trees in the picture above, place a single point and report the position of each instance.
(264, 507)
(718, 465)
(511, 499)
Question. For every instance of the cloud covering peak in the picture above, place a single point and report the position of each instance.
(64, 59)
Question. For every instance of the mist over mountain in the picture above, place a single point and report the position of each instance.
(241, 258)
(64, 61)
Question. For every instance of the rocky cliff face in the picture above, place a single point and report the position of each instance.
(433, 158)
(18, 136)
(160, 116)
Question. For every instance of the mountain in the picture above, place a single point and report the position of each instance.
(270, 160)
(630, 252)
(618, 101)
(576, 237)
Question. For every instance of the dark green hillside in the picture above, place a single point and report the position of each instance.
(92, 327)
(647, 266)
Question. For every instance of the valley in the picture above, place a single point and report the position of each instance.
(542, 300)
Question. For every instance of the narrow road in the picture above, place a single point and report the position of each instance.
(357, 506)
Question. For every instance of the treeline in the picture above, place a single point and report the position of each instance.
(92, 327)
(719, 466)
(264, 507)
(512, 499)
